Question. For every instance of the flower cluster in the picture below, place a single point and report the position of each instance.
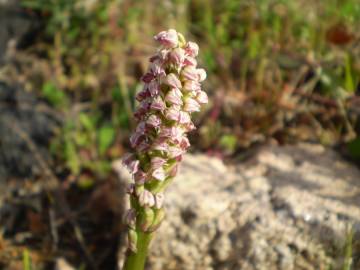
(171, 92)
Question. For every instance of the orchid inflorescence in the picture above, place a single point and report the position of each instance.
(170, 94)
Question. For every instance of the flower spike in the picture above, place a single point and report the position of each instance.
(171, 93)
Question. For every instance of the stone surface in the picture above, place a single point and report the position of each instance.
(26, 127)
(285, 208)
(17, 26)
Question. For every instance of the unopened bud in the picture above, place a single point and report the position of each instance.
(159, 217)
(189, 73)
(130, 218)
(192, 49)
(159, 200)
(202, 74)
(132, 240)
(172, 80)
(177, 56)
(168, 38)
(146, 198)
(181, 39)
(139, 189)
(146, 219)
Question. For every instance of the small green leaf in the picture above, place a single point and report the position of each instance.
(116, 94)
(228, 142)
(54, 95)
(82, 139)
(254, 46)
(349, 80)
(71, 157)
(87, 122)
(106, 136)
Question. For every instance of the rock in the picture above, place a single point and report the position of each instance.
(17, 26)
(26, 127)
(8, 3)
(62, 264)
(287, 208)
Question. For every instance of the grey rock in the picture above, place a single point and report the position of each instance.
(17, 26)
(286, 208)
(26, 127)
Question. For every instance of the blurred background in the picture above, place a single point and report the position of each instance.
(279, 72)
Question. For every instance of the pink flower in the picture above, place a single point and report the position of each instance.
(146, 198)
(168, 38)
(141, 128)
(177, 56)
(147, 77)
(127, 158)
(163, 54)
(202, 97)
(130, 218)
(171, 132)
(131, 163)
(160, 146)
(158, 104)
(184, 143)
(174, 151)
(140, 177)
(143, 94)
(174, 96)
(156, 68)
(143, 146)
(189, 73)
(142, 109)
(191, 105)
(159, 174)
(135, 139)
(153, 121)
(159, 200)
(189, 127)
(172, 114)
(157, 162)
(191, 86)
(201, 74)
(190, 61)
(154, 58)
(174, 170)
(153, 88)
(173, 81)
(192, 49)
(184, 117)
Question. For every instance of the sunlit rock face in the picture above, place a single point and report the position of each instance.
(284, 208)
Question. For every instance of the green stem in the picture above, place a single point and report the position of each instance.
(136, 261)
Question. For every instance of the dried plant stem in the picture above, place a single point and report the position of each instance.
(136, 261)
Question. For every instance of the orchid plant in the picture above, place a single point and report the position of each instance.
(171, 92)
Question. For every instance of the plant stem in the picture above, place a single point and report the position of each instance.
(136, 261)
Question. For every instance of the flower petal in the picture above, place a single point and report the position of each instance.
(174, 96)
(172, 80)
(168, 38)
(192, 49)
(191, 105)
(202, 97)
(159, 174)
